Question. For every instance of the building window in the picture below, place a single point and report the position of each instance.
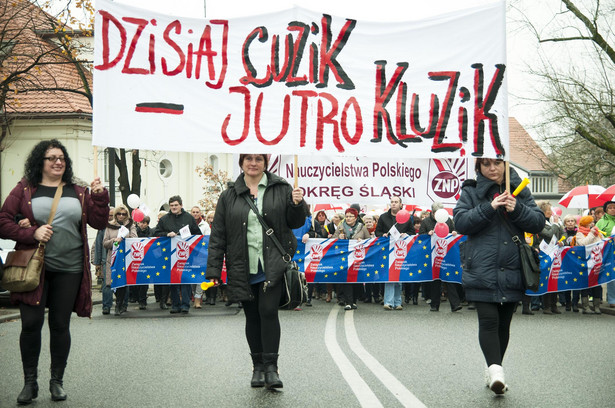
(213, 161)
(543, 184)
(165, 168)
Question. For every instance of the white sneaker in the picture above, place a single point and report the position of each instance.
(497, 383)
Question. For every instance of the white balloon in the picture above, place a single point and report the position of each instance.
(133, 201)
(441, 215)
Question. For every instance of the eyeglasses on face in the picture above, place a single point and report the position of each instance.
(54, 159)
(123, 214)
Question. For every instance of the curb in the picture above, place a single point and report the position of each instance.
(16, 316)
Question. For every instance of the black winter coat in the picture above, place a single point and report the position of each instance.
(174, 222)
(387, 220)
(429, 224)
(489, 257)
(230, 228)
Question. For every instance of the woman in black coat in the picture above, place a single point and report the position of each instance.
(490, 259)
(254, 265)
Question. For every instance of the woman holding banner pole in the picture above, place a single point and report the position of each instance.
(254, 265)
(492, 278)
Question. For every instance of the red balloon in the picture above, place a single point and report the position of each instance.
(402, 216)
(557, 211)
(137, 215)
(441, 229)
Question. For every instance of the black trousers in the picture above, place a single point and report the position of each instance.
(141, 293)
(59, 294)
(411, 290)
(350, 292)
(162, 292)
(494, 329)
(375, 290)
(453, 293)
(262, 322)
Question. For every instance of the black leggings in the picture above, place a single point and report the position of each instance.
(494, 329)
(59, 294)
(262, 323)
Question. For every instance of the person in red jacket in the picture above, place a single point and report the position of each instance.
(66, 281)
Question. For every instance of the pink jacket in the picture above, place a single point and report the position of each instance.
(95, 212)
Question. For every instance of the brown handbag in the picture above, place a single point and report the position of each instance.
(23, 267)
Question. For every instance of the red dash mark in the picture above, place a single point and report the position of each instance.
(157, 107)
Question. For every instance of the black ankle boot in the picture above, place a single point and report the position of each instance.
(30, 387)
(272, 378)
(258, 371)
(56, 384)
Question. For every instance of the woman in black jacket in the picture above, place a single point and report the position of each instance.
(490, 259)
(254, 264)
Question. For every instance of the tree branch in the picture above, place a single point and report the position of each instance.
(565, 39)
(585, 134)
(592, 28)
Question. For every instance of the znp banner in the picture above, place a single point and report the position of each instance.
(302, 82)
(372, 181)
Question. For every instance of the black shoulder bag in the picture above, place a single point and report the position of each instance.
(294, 291)
(529, 259)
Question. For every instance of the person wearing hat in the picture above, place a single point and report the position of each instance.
(351, 228)
(606, 225)
(589, 234)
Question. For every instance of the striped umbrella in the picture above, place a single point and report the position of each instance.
(608, 194)
(586, 196)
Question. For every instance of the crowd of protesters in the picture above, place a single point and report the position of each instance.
(569, 231)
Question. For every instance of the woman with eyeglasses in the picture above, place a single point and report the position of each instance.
(66, 282)
(487, 213)
(113, 236)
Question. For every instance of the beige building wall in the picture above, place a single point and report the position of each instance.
(177, 176)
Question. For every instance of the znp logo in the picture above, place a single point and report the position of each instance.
(138, 249)
(401, 249)
(445, 177)
(359, 252)
(183, 250)
(317, 252)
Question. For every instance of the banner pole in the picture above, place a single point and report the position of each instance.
(507, 176)
(95, 161)
(295, 173)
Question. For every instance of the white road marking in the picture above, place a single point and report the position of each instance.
(364, 394)
(403, 395)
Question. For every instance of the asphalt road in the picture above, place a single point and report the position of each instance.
(368, 357)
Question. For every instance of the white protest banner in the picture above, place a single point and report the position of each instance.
(336, 179)
(302, 82)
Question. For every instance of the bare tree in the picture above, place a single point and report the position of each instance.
(41, 51)
(578, 122)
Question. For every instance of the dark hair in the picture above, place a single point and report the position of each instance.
(176, 198)
(479, 161)
(33, 169)
(243, 156)
(146, 219)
